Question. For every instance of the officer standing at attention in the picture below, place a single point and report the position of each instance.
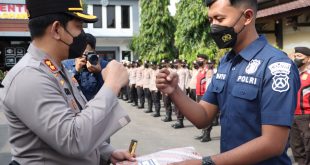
(50, 121)
(139, 84)
(166, 99)
(255, 88)
(154, 91)
(146, 86)
(132, 84)
(181, 72)
(300, 133)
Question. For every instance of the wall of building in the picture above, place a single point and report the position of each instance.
(291, 38)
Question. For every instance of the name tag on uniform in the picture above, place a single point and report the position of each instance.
(247, 79)
(220, 76)
(67, 91)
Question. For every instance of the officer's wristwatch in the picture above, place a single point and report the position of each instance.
(207, 161)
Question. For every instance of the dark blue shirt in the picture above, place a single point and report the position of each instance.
(89, 83)
(256, 87)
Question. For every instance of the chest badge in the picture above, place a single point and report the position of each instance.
(304, 77)
(253, 66)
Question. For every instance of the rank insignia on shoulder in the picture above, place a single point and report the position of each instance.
(49, 63)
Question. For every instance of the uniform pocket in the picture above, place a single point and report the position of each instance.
(217, 86)
(245, 91)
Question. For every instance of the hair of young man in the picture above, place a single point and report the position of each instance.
(203, 56)
(37, 26)
(237, 3)
(91, 40)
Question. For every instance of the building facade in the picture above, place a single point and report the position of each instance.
(118, 22)
(286, 23)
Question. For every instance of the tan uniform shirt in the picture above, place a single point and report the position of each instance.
(49, 119)
(132, 76)
(153, 80)
(139, 76)
(182, 78)
(193, 81)
(147, 77)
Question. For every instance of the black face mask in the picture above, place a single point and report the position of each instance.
(77, 47)
(299, 62)
(200, 63)
(146, 66)
(224, 36)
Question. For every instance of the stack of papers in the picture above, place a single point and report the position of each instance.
(166, 157)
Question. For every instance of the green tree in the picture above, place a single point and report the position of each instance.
(192, 30)
(155, 40)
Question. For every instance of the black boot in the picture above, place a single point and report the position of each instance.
(135, 104)
(148, 111)
(167, 119)
(206, 137)
(157, 114)
(141, 106)
(179, 124)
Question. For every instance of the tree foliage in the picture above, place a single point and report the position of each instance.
(192, 30)
(155, 40)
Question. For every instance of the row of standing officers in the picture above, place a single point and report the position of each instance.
(193, 82)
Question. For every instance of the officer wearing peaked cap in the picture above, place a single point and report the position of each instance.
(50, 121)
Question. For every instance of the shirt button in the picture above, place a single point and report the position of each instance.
(233, 68)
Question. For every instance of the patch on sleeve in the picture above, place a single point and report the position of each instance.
(280, 72)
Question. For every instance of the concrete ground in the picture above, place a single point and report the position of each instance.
(152, 135)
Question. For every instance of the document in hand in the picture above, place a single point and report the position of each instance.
(166, 157)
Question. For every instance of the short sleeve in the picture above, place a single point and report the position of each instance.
(210, 96)
(279, 94)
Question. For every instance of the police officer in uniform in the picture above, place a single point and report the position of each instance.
(166, 99)
(181, 72)
(193, 81)
(132, 84)
(146, 86)
(300, 134)
(255, 88)
(139, 84)
(48, 118)
(155, 93)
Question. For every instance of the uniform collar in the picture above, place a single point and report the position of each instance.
(40, 55)
(250, 51)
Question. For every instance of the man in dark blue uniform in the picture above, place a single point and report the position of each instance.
(87, 75)
(255, 89)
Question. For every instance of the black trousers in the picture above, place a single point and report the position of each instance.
(167, 105)
(149, 99)
(123, 93)
(128, 93)
(134, 94)
(156, 100)
(208, 128)
(300, 139)
(141, 95)
(192, 94)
